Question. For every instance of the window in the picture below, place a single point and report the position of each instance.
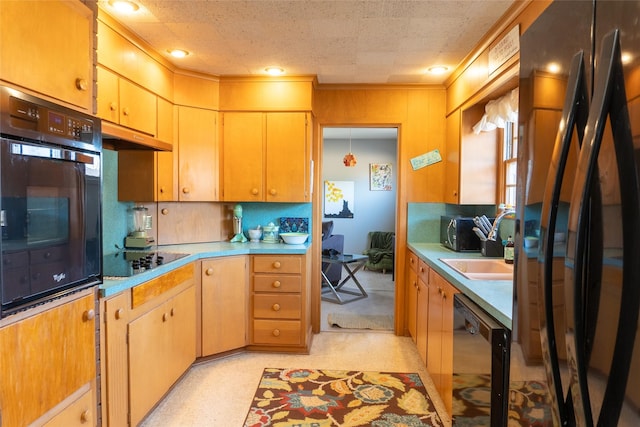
(509, 163)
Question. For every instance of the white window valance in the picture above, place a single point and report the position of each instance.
(498, 112)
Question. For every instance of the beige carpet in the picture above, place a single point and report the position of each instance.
(361, 321)
(380, 302)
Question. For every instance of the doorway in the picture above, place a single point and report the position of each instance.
(368, 203)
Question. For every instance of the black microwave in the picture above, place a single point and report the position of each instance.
(456, 233)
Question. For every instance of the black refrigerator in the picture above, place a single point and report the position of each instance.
(575, 350)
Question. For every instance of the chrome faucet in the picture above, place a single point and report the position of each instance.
(496, 222)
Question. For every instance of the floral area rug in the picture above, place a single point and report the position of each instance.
(323, 398)
(528, 402)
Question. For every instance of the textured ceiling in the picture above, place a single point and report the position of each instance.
(339, 41)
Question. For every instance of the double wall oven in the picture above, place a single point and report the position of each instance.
(50, 201)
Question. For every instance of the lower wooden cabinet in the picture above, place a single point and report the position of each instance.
(418, 301)
(440, 336)
(280, 302)
(48, 364)
(224, 304)
(148, 341)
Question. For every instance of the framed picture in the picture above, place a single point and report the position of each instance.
(338, 199)
(380, 176)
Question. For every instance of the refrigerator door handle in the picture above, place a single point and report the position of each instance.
(574, 116)
(582, 291)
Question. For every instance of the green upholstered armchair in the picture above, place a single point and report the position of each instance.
(381, 251)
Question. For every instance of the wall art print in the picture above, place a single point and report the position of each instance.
(380, 176)
(338, 199)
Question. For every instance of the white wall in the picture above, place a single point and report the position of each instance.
(373, 210)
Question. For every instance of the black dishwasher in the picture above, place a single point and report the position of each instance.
(480, 366)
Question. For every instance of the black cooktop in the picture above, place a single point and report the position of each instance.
(129, 263)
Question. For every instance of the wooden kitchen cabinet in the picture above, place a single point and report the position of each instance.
(273, 149)
(280, 303)
(418, 302)
(225, 303)
(51, 52)
(148, 340)
(411, 282)
(122, 102)
(471, 160)
(440, 336)
(51, 379)
(197, 155)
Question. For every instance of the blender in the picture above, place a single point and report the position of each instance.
(138, 238)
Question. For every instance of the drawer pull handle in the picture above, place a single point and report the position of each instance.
(273, 192)
(88, 315)
(209, 271)
(185, 190)
(164, 211)
(165, 317)
(254, 191)
(119, 313)
(276, 332)
(173, 311)
(276, 307)
(277, 284)
(81, 84)
(277, 264)
(85, 416)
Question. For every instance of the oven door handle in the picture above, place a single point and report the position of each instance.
(48, 152)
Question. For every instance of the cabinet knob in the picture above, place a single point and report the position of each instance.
(254, 191)
(173, 311)
(276, 264)
(81, 84)
(273, 192)
(209, 271)
(88, 315)
(85, 416)
(276, 307)
(185, 190)
(113, 106)
(118, 314)
(277, 284)
(125, 111)
(162, 190)
(276, 332)
(164, 211)
(165, 317)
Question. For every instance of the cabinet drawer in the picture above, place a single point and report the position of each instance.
(79, 413)
(274, 283)
(52, 253)
(277, 264)
(423, 271)
(277, 306)
(413, 261)
(277, 332)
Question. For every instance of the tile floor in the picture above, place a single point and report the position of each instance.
(218, 393)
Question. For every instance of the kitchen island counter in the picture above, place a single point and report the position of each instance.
(493, 296)
(194, 251)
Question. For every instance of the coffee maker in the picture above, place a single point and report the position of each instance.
(138, 237)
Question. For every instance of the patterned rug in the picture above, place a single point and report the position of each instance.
(528, 402)
(323, 398)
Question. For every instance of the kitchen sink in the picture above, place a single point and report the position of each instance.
(481, 268)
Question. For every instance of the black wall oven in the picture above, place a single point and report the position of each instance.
(50, 201)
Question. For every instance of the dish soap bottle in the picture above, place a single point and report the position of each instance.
(509, 251)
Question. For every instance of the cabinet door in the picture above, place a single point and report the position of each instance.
(434, 330)
(243, 157)
(224, 304)
(452, 158)
(138, 109)
(47, 46)
(422, 320)
(147, 361)
(412, 301)
(287, 158)
(181, 337)
(107, 95)
(197, 155)
(56, 357)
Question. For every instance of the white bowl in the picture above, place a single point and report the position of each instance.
(255, 234)
(294, 238)
(530, 242)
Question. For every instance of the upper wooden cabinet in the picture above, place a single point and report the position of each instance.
(471, 160)
(51, 52)
(123, 102)
(266, 157)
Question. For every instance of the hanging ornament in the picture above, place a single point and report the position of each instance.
(349, 158)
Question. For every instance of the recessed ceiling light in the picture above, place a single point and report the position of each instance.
(274, 71)
(554, 67)
(124, 6)
(178, 53)
(438, 69)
